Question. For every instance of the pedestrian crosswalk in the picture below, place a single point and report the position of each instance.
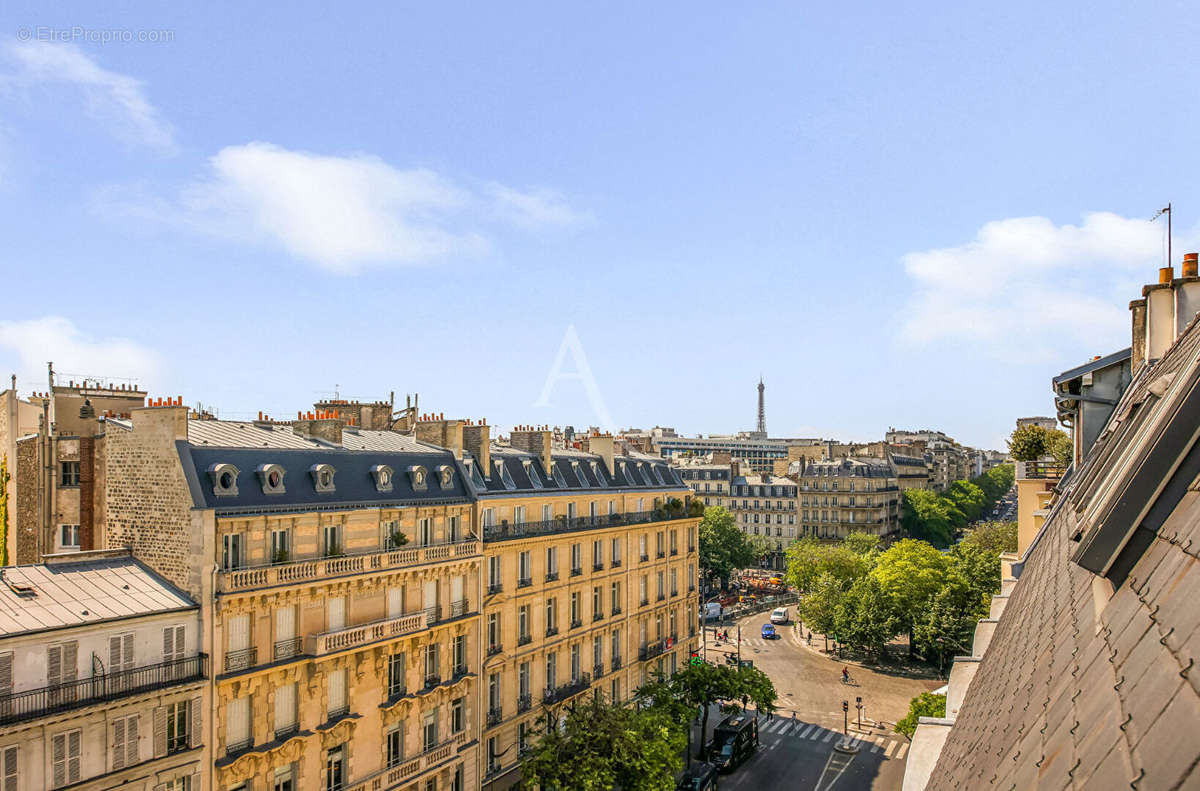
(780, 727)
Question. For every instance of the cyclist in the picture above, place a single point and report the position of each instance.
(845, 675)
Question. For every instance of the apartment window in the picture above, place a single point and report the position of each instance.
(575, 662)
(281, 546)
(597, 651)
(493, 757)
(674, 542)
(494, 573)
(547, 513)
(120, 652)
(616, 690)
(395, 745)
(551, 563)
(460, 654)
(285, 778)
(518, 514)
(68, 536)
(659, 579)
(658, 544)
(576, 558)
(597, 603)
(551, 616)
(285, 710)
(432, 673)
(574, 608)
(691, 577)
(523, 624)
(333, 540)
(671, 624)
(335, 768)
(642, 547)
(493, 692)
(493, 633)
(396, 680)
(452, 526)
(286, 644)
(597, 555)
(177, 726)
(231, 551)
(615, 556)
(61, 663)
(489, 517)
(593, 510)
(551, 670)
(458, 715)
(691, 539)
(70, 473)
(124, 744)
(523, 680)
(429, 731)
(337, 704)
(524, 569)
(615, 600)
(612, 507)
(645, 598)
(522, 738)
(571, 511)
(65, 757)
(335, 614)
(674, 582)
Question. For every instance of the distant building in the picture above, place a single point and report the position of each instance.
(949, 460)
(848, 495)
(102, 676)
(1047, 423)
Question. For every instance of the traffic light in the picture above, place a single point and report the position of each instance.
(858, 701)
(696, 660)
(845, 705)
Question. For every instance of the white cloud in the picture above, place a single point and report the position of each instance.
(343, 213)
(1027, 284)
(535, 208)
(117, 98)
(34, 342)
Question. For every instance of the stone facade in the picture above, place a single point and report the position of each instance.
(27, 511)
(147, 505)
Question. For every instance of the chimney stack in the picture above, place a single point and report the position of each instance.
(477, 440)
(602, 446)
(436, 430)
(536, 441)
(1187, 294)
(325, 426)
(1137, 356)
(1160, 315)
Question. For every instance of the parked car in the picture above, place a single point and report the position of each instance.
(699, 776)
(768, 632)
(779, 615)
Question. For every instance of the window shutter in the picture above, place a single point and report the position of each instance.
(6, 663)
(168, 643)
(54, 664)
(127, 652)
(73, 750)
(131, 740)
(58, 758)
(180, 633)
(194, 727)
(10, 768)
(160, 731)
(69, 660)
(118, 744)
(114, 654)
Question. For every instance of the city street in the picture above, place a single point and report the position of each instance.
(809, 686)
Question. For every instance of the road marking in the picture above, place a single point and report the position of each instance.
(828, 735)
(901, 751)
(804, 733)
(876, 743)
(887, 751)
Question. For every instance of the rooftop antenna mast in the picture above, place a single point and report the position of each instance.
(1167, 211)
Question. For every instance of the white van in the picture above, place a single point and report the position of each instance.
(779, 615)
(712, 611)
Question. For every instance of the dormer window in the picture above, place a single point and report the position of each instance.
(445, 476)
(224, 479)
(599, 476)
(531, 473)
(383, 477)
(476, 476)
(505, 476)
(658, 474)
(322, 475)
(559, 478)
(270, 476)
(418, 475)
(575, 472)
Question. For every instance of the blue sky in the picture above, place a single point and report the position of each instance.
(898, 217)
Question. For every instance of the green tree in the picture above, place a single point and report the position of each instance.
(809, 558)
(968, 498)
(979, 566)
(861, 543)
(1060, 446)
(926, 515)
(909, 573)
(865, 618)
(695, 507)
(723, 547)
(600, 746)
(946, 625)
(1027, 443)
(927, 704)
(819, 607)
(993, 536)
(760, 546)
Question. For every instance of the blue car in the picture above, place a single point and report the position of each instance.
(768, 632)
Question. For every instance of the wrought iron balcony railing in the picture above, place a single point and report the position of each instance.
(241, 659)
(505, 531)
(100, 688)
(560, 693)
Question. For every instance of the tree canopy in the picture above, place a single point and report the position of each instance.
(993, 536)
(723, 547)
(600, 746)
(927, 704)
(1031, 442)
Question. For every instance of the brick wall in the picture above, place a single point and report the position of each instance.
(147, 502)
